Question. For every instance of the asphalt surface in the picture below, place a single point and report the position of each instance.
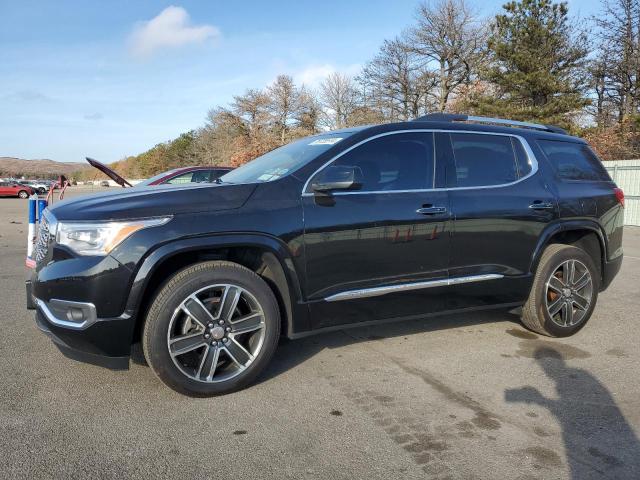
(472, 396)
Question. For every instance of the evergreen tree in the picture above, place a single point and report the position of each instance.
(536, 68)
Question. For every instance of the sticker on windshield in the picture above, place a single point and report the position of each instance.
(326, 141)
(272, 174)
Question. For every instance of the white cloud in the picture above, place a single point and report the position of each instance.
(170, 28)
(313, 75)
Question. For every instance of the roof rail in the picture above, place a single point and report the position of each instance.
(455, 117)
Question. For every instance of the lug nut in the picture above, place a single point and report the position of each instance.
(225, 340)
(206, 335)
(210, 325)
(214, 344)
(228, 329)
(221, 322)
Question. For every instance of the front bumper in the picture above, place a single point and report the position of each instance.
(77, 304)
(78, 349)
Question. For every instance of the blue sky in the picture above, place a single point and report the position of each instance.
(110, 79)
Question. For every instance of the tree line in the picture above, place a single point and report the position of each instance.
(533, 61)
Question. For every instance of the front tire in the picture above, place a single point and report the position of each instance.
(211, 329)
(564, 292)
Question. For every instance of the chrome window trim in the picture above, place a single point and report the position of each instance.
(404, 287)
(533, 162)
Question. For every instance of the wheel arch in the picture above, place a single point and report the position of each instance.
(267, 256)
(583, 233)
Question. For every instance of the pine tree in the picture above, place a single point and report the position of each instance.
(536, 68)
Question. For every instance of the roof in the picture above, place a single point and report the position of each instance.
(469, 123)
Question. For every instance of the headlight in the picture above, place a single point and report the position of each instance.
(99, 238)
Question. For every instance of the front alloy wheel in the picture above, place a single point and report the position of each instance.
(211, 329)
(216, 333)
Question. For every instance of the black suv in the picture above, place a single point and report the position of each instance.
(446, 213)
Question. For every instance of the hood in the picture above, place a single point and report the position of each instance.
(153, 201)
(107, 171)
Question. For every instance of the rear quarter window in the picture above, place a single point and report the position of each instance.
(574, 161)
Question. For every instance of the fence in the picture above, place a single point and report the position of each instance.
(626, 174)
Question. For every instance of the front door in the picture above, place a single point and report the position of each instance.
(379, 252)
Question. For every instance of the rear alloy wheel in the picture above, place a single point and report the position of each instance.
(569, 293)
(22, 194)
(564, 292)
(211, 329)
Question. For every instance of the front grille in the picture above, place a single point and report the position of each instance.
(42, 242)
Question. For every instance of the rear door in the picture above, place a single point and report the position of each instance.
(378, 252)
(500, 204)
(4, 190)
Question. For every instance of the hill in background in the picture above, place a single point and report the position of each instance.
(44, 168)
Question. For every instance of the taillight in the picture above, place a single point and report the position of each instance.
(619, 195)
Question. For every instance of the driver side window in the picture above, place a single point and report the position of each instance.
(401, 161)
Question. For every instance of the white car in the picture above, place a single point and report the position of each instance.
(39, 187)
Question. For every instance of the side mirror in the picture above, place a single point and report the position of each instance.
(336, 177)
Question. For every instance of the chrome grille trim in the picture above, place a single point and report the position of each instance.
(42, 243)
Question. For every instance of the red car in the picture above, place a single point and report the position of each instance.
(13, 189)
(182, 175)
(177, 176)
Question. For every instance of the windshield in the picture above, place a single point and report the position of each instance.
(284, 160)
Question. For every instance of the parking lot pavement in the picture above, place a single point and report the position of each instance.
(470, 396)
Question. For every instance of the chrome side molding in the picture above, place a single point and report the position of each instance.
(403, 287)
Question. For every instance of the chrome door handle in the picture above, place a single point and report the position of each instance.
(431, 210)
(538, 205)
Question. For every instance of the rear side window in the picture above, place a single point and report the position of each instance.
(401, 161)
(574, 161)
(197, 176)
(483, 160)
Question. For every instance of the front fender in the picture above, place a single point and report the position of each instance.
(156, 257)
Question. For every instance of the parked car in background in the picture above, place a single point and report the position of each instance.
(40, 187)
(104, 183)
(179, 176)
(15, 189)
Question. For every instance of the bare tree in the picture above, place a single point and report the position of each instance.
(339, 98)
(307, 113)
(619, 37)
(391, 81)
(252, 107)
(283, 97)
(448, 40)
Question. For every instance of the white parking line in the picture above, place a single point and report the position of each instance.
(631, 256)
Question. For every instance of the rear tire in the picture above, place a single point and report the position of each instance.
(211, 329)
(564, 292)
(23, 194)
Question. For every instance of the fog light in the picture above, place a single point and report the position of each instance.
(75, 315)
